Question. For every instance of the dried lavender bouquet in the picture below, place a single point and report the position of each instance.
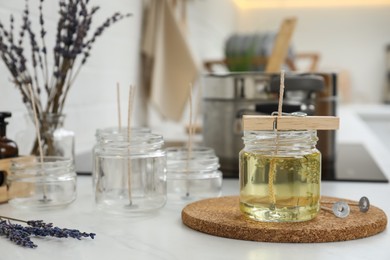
(29, 66)
(20, 235)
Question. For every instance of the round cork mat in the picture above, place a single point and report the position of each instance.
(222, 217)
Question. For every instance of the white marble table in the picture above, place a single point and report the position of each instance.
(163, 236)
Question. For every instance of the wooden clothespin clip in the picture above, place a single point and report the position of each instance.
(294, 121)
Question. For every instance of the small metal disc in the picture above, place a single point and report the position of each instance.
(364, 204)
(340, 209)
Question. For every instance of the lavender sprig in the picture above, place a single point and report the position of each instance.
(21, 235)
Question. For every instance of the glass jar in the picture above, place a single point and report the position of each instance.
(192, 175)
(280, 175)
(32, 184)
(130, 174)
(108, 134)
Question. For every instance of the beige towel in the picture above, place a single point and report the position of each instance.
(168, 64)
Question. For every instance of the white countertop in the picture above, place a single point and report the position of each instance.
(163, 236)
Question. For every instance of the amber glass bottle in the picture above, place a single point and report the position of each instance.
(8, 148)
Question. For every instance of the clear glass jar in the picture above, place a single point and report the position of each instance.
(193, 175)
(32, 184)
(108, 134)
(130, 174)
(280, 175)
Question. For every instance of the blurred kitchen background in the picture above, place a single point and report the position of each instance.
(350, 38)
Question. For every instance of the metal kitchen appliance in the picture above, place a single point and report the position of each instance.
(226, 97)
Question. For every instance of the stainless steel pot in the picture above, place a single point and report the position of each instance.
(226, 97)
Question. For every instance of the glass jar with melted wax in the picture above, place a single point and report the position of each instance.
(280, 175)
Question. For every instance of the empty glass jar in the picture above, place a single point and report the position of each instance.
(32, 184)
(108, 134)
(192, 174)
(130, 174)
(280, 175)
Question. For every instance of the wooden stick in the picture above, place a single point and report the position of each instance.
(197, 106)
(36, 123)
(118, 98)
(190, 134)
(190, 124)
(272, 166)
(130, 108)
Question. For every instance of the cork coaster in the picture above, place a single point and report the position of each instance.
(222, 217)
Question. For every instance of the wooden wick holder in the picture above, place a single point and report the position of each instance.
(290, 122)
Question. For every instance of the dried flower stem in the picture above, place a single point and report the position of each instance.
(20, 235)
(14, 219)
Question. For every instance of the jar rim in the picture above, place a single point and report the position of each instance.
(181, 152)
(115, 130)
(288, 142)
(281, 131)
(180, 175)
(271, 134)
(22, 167)
(121, 140)
(36, 159)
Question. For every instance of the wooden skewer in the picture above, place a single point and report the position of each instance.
(190, 134)
(36, 123)
(118, 95)
(272, 166)
(130, 106)
(198, 98)
(190, 125)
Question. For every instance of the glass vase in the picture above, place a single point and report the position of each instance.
(55, 139)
